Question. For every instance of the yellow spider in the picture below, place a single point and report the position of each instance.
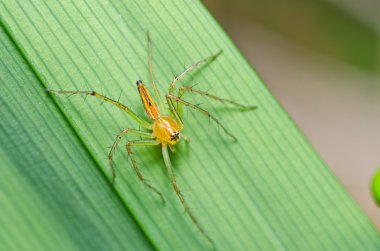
(166, 127)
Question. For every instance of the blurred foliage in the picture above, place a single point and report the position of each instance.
(317, 24)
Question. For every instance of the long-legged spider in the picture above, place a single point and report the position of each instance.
(166, 127)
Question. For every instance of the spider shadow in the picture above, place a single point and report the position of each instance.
(182, 151)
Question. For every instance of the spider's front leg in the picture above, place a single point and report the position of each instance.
(191, 68)
(170, 98)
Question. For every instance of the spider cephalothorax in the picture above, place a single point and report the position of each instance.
(166, 130)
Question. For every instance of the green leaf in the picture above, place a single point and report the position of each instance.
(268, 191)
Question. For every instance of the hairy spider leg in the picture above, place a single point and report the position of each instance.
(190, 68)
(174, 111)
(171, 98)
(132, 114)
(173, 181)
(117, 140)
(182, 90)
(152, 78)
(141, 177)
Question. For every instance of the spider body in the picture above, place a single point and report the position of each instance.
(166, 124)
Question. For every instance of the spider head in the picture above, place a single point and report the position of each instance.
(167, 130)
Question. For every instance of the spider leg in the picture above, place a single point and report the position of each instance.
(174, 111)
(154, 83)
(169, 168)
(182, 90)
(133, 115)
(178, 118)
(190, 68)
(141, 177)
(117, 140)
(170, 98)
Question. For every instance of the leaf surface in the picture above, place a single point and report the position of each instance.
(268, 191)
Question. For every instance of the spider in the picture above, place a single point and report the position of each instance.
(165, 124)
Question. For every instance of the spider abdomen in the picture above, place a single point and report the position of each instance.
(166, 130)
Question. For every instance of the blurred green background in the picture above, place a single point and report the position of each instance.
(321, 59)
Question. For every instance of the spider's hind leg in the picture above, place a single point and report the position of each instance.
(152, 78)
(170, 170)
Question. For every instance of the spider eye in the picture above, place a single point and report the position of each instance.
(174, 136)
